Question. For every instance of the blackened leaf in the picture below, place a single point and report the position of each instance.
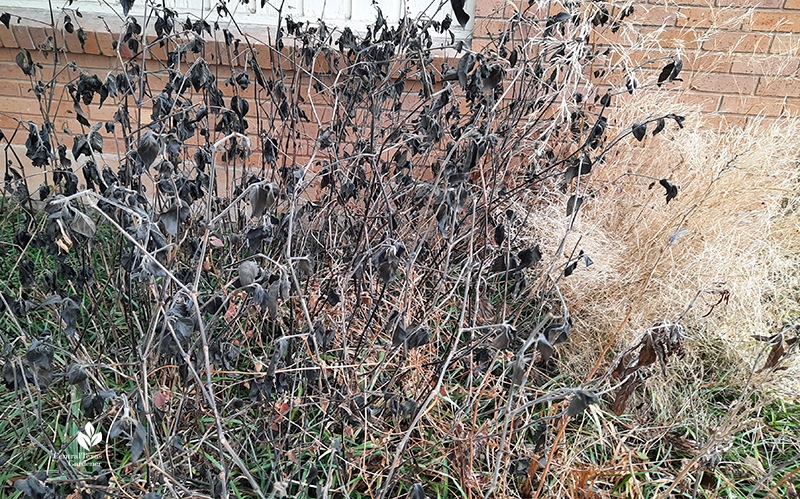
(262, 198)
(34, 488)
(259, 74)
(5, 18)
(458, 10)
(417, 492)
(417, 336)
(499, 234)
(147, 149)
(407, 409)
(399, 335)
(491, 77)
(25, 62)
(666, 73)
(69, 314)
(678, 119)
(126, 7)
(333, 297)
(83, 224)
(502, 341)
(512, 58)
(177, 212)
(631, 84)
(545, 348)
(51, 300)
(80, 146)
(248, 273)
(92, 405)
(529, 257)
(81, 116)
(82, 37)
(26, 273)
(605, 100)
(659, 126)
(239, 105)
(95, 139)
(505, 263)
(519, 370)
(639, 130)
(313, 475)
(465, 65)
(560, 17)
(569, 269)
(40, 353)
(580, 402)
(672, 189)
(574, 204)
(277, 356)
(15, 375)
(138, 440)
(76, 374)
(677, 69)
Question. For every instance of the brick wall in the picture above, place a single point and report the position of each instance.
(742, 57)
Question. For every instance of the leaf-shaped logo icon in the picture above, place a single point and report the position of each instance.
(83, 441)
(89, 439)
(96, 438)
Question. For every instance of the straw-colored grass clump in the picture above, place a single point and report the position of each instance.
(733, 227)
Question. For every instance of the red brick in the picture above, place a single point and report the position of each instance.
(106, 113)
(786, 22)
(90, 45)
(764, 4)
(672, 37)
(39, 37)
(635, 58)
(10, 71)
(656, 15)
(702, 3)
(156, 51)
(490, 8)
(724, 83)
(492, 26)
(622, 37)
(479, 43)
(751, 105)
(787, 44)
(724, 122)
(764, 122)
(766, 65)
(22, 36)
(779, 87)
(72, 43)
(704, 17)
(7, 38)
(90, 63)
(738, 42)
(707, 103)
(105, 43)
(702, 60)
(21, 105)
(10, 89)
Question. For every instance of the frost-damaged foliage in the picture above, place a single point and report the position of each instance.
(264, 282)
